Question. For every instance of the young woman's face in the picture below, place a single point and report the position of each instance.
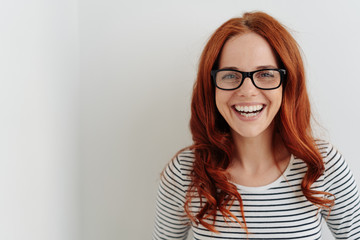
(248, 52)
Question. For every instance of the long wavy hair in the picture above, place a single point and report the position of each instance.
(212, 141)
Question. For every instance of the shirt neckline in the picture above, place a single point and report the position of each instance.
(270, 185)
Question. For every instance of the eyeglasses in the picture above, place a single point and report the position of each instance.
(265, 79)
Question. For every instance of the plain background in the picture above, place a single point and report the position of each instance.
(95, 100)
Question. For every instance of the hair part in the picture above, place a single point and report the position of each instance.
(212, 141)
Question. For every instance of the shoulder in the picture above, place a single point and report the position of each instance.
(336, 168)
(180, 167)
(185, 160)
(329, 153)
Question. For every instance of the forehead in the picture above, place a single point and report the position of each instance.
(247, 52)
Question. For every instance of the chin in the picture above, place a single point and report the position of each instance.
(253, 131)
(248, 133)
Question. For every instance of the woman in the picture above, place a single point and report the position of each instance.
(254, 170)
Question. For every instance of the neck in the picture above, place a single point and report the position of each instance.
(256, 153)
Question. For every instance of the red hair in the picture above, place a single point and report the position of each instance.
(212, 141)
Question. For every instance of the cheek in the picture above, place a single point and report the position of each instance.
(217, 99)
(276, 99)
(221, 101)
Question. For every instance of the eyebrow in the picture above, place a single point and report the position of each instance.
(257, 68)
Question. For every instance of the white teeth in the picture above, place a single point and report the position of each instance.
(249, 114)
(248, 109)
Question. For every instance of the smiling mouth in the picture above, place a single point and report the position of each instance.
(249, 111)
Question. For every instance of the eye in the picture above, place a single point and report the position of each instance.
(229, 76)
(266, 74)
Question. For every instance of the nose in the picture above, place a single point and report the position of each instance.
(247, 88)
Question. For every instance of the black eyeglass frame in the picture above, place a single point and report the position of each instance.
(248, 75)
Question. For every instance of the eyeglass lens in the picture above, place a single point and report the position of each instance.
(265, 79)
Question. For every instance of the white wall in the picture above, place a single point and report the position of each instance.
(38, 120)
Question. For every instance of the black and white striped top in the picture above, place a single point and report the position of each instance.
(276, 211)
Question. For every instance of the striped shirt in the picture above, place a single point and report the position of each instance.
(276, 211)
